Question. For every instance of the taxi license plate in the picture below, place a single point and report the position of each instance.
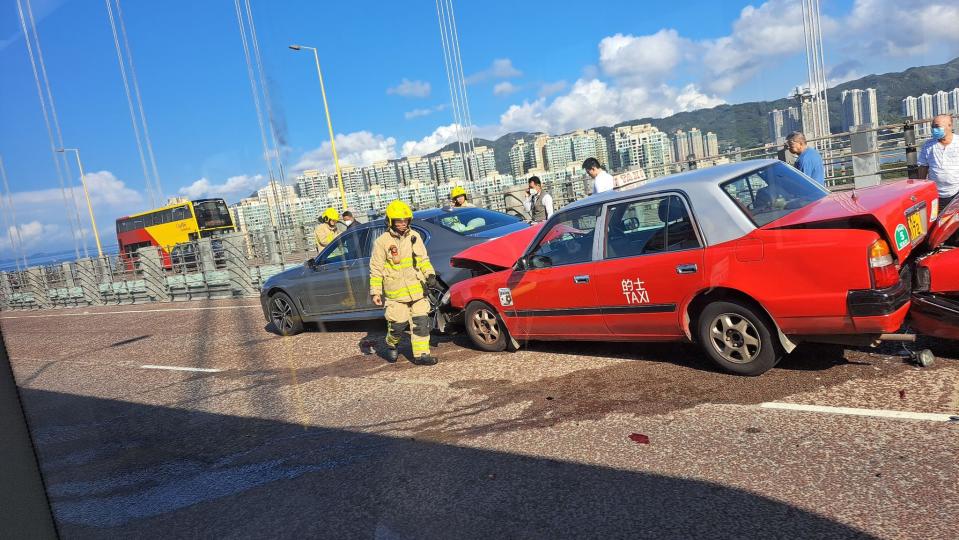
(916, 226)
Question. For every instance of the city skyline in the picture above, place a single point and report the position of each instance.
(386, 102)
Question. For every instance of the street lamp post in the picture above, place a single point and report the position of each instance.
(86, 194)
(329, 123)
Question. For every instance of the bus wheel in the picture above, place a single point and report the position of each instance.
(284, 315)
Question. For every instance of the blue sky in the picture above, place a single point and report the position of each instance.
(550, 66)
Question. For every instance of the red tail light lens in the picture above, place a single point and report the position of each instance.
(881, 265)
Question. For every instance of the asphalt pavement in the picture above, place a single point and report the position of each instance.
(191, 419)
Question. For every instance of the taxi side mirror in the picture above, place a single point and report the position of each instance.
(521, 265)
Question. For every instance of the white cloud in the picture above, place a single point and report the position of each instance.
(417, 113)
(233, 188)
(902, 28)
(501, 68)
(440, 137)
(594, 102)
(408, 88)
(109, 196)
(651, 58)
(548, 89)
(359, 148)
(504, 88)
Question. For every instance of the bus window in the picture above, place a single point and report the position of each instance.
(212, 214)
(180, 212)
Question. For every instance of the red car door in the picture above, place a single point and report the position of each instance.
(652, 264)
(555, 295)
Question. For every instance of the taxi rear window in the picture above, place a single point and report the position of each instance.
(772, 192)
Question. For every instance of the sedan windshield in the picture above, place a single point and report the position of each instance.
(470, 221)
(772, 192)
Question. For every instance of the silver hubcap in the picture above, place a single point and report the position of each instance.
(281, 312)
(485, 326)
(735, 338)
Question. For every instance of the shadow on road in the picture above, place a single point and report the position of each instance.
(116, 469)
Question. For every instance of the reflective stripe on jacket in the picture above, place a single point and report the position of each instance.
(395, 276)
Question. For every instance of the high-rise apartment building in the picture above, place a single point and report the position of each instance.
(712, 144)
(558, 152)
(587, 144)
(414, 169)
(781, 123)
(482, 162)
(643, 146)
(382, 173)
(697, 146)
(522, 157)
(680, 146)
(940, 103)
(860, 109)
(448, 166)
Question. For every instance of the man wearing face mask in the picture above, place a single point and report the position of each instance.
(348, 220)
(538, 203)
(939, 159)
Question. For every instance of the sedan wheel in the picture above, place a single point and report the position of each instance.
(485, 328)
(738, 338)
(735, 338)
(284, 315)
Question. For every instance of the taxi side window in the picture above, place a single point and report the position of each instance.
(653, 225)
(569, 240)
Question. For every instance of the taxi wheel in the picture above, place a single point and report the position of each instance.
(485, 328)
(284, 315)
(737, 338)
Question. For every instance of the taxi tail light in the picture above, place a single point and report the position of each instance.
(882, 267)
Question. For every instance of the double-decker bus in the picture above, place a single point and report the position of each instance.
(171, 225)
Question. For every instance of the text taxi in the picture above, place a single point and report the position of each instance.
(746, 259)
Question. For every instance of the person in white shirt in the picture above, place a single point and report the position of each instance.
(602, 180)
(939, 159)
(538, 204)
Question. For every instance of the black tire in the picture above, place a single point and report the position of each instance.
(738, 339)
(284, 316)
(485, 328)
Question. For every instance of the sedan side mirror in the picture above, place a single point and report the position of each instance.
(311, 263)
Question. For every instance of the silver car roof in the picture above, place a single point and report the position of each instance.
(719, 219)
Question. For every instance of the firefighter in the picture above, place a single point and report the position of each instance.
(458, 197)
(400, 269)
(326, 231)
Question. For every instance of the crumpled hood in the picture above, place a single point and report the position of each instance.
(498, 253)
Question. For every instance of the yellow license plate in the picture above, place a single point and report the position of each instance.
(916, 229)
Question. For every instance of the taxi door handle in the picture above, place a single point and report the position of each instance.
(580, 279)
(687, 269)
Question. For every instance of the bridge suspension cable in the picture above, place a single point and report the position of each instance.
(52, 123)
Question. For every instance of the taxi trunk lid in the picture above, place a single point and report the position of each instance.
(902, 211)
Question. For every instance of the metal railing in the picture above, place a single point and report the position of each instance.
(236, 265)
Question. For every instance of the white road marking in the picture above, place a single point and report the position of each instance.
(878, 413)
(129, 311)
(178, 368)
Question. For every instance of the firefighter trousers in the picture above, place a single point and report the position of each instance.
(399, 316)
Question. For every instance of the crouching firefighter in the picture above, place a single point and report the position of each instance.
(400, 270)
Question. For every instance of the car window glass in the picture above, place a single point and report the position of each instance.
(651, 225)
(772, 192)
(569, 240)
(352, 244)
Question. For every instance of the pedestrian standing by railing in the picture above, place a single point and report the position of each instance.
(602, 180)
(809, 160)
(538, 203)
(939, 159)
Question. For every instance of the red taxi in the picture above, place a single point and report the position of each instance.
(746, 259)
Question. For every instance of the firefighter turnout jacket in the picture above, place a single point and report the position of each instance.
(399, 266)
(325, 234)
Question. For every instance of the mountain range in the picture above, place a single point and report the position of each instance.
(744, 124)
